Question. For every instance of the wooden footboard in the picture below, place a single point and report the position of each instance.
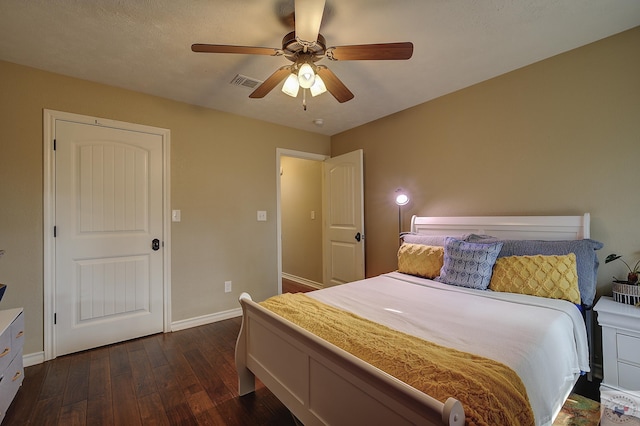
(322, 384)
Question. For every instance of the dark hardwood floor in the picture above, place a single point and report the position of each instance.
(182, 378)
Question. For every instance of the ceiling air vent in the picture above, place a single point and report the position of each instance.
(243, 80)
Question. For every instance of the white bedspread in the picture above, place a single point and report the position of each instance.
(543, 340)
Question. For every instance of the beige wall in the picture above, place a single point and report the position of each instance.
(223, 169)
(559, 137)
(301, 193)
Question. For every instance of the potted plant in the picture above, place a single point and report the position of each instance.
(632, 277)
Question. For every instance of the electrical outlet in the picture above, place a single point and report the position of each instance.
(262, 216)
(227, 286)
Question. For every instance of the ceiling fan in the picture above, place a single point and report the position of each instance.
(304, 47)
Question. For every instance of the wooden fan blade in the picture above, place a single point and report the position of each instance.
(334, 85)
(308, 16)
(271, 82)
(381, 51)
(224, 48)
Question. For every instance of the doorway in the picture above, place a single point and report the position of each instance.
(299, 216)
(301, 209)
(342, 216)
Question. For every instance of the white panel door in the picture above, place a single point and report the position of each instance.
(343, 253)
(109, 271)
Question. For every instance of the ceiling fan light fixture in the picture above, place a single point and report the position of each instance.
(291, 85)
(318, 87)
(306, 76)
(304, 46)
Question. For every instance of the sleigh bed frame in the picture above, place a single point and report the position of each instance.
(322, 384)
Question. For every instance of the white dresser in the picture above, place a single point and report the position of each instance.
(11, 343)
(620, 344)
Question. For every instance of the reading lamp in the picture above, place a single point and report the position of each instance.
(402, 199)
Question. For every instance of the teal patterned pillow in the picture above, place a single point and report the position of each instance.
(468, 264)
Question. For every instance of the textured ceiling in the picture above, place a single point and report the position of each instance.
(144, 45)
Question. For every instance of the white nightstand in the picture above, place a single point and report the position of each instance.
(620, 344)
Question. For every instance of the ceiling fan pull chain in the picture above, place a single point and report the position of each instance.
(304, 99)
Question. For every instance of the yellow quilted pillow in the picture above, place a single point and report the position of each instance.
(554, 277)
(421, 260)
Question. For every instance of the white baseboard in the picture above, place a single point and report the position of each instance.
(205, 319)
(33, 359)
(302, 281)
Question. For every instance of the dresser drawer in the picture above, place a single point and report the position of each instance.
(10, 382)
(6, 354)
(629, 376)
(628, 348)
(17, 331)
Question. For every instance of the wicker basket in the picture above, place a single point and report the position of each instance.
(626, 293)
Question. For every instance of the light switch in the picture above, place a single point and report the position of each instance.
(175, 215)
(262, 216)
(313, 214)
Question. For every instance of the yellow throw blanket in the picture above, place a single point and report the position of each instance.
(491, 393)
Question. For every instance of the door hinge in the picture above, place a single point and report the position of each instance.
(55, 231)
(55, 319)
(54, 144)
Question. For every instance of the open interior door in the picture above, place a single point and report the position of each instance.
(343, 213)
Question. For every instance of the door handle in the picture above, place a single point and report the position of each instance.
(358, 237)
(155, 244)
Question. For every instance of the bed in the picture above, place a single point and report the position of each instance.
(322, 383)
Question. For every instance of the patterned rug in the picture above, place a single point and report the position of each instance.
(579, 411)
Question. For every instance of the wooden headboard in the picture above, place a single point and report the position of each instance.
(507, 227)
